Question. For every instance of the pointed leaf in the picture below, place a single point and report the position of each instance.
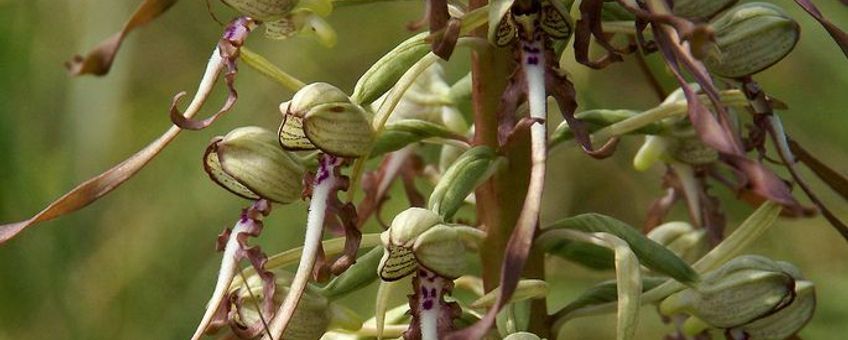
(605, 292)
(650, 253)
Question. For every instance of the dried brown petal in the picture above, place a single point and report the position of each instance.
(228, 47)
(99, 60)
(838, 35)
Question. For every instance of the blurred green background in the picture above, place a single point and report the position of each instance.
(140, 264)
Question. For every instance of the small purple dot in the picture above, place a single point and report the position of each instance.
(427, 305)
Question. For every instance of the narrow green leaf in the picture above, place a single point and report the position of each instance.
(651, 254)
(604, 292)
(585, 254)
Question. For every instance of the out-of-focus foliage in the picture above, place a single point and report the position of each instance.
(139, 264)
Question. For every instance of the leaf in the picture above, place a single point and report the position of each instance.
(838, 35)
(526, 290)
(601, 293)
(746, 234)
(585, 254)
(99, 60)
(651, 254)
(628, 276)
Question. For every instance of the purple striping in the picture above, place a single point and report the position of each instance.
(433, 292)
(424, 292)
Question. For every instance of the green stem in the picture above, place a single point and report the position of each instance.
(268, 69)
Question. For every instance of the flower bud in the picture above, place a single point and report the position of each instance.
(249, 162)
(522, 336)
(750, 38)
(554, 20)
(263, 10)
(743, 290)
(693, 151)
(386, 71)
(785, 322)
(418, 237)
(688, 148)
(321, 116)
(699, 9)
(469, 170)
(682, 239)
(315, 314)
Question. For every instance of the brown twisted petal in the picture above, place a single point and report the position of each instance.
(716, 133)
(228, 47)
(99, 60)
(838, 35)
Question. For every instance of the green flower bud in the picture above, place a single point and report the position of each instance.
(442, 248)
(750, 38)
(522, 336)
(249, 162)
(682, 239)
(302, 21)
(320, 116)
(652, 151)
(743, 290)
(554, 20)
(386, 71)
(700, 9)
(263, 10)
(418, 237)
(315, 314)
(460, 179)
(785, 322)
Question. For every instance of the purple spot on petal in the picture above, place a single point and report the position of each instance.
(532, 60)
(427, 305)
(424, 292)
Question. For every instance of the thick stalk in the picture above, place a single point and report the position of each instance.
(498, 200)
